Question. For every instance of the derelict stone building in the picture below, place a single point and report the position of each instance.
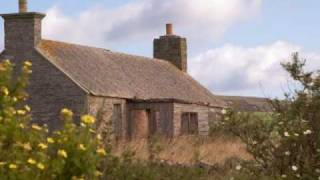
(139, 96)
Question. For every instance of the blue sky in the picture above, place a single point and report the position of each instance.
(235, 46)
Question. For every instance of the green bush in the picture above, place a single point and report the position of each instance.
(30, 151)
(286, 143)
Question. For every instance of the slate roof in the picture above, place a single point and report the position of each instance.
(105, 73)
(248, 104)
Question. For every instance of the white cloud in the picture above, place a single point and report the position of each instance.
(144, 19)
(256, 71)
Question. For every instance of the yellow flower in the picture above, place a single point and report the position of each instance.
(76, 178)
(36, 127)
(5, 91)
(82, 147)
(99, 137)
(13, 166)
(98, 173)
(2, 163)
(31, 161)
(92, 131)
(50, 140)
(27, 108)
(101, 151)
(87, 119)
(27, 63)
(43, 146)
(62, 153)
(21, 112)
(66, 112)
(40, 166)
(15, 99)
(21, 126)
(83, 125)
(27, 146)
(7, 62)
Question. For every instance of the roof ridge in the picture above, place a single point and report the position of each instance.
(111, 51)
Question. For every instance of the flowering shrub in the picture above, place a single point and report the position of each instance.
(30, 151)
(285, 144)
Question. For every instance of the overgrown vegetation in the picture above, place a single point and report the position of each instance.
(286, 143)
(29, 151)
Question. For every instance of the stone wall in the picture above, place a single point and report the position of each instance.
(50, 90)
(204, 115)
(107, 119)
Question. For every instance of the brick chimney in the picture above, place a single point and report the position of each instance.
(22, 30)
(171, 48)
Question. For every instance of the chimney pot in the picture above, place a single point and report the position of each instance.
(169, 29)
(23, 6)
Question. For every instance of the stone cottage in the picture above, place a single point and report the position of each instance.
(139, 96)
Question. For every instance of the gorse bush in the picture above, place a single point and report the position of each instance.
(30, 151)
(285, 144)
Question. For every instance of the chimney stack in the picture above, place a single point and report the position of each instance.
(23, 6)
(169, 29)
(22, 30)
(171, 48)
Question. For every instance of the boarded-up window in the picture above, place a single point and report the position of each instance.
(157, 122)
(189, 123)
(117, 118)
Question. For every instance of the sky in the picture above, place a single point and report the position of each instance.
(235, 47)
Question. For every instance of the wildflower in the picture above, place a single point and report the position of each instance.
(31, 161)
(13, 166)
(27, 146)
(296, 134)
(50, 140)
(87, 119)
(27, 108)
(40, 166)
(27, 63)
(15, 99)
(238, 167)
(21, 112)
(36, 127)
(280, 123)
(307, 132)
(98, 173)
(42, 146)
(254, 142)
(99, 137)
(294, 168)
(82, 147)
(284, 176)
(92, 131)
(287, 153)
(224, 111)
(101, 151)
(286, 134)
(62, 153)
(66, 112)
(21, 126)
(5, 91)
(2, 163)
(83, 125)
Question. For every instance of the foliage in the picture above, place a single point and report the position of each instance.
(285, 143)
(30, 151)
